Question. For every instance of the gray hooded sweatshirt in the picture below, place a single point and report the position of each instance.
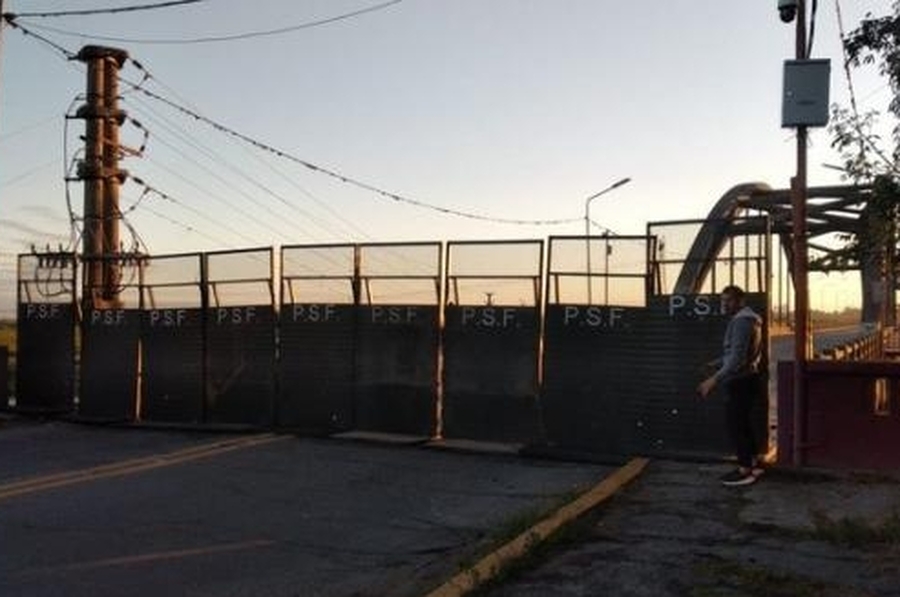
(742, 352)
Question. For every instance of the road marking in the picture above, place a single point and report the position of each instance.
(492, 564)
(132, 466)
(146, 558)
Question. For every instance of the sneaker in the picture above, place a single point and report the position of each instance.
(738, 478)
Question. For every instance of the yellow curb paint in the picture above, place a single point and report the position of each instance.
(127, 467)
(491, 565)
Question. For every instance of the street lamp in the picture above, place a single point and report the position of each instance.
(587, 229)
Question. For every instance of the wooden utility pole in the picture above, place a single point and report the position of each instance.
(101, 175)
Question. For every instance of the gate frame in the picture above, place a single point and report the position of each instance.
(440, 282)
(140, 262)
(553, 276)
(66, 256)
(538, 283)
(204, 307)
(207, 291)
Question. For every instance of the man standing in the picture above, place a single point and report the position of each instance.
(739, 369)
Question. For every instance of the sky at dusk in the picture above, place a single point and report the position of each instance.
(508, 108)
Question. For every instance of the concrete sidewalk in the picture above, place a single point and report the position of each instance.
(677, 531)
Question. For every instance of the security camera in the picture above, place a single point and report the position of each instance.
(787, 10)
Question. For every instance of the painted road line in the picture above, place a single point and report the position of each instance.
(149, 558)
(40, 480)
(492, 564)
(136, 465)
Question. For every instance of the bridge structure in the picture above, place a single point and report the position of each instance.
(835, 213)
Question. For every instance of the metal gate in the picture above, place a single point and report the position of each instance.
(625, 345)
(688, 273)
(397, 338)
(594, 350)
(491, 341)
(110, 344)
(317, 338)
(45, 344)
(240, 337)
(172, 388)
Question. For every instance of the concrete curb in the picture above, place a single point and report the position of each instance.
(492, 564)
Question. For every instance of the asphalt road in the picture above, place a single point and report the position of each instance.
(288, 517)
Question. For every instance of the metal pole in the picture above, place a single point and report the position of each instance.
(587, 244)
(606, 249)
(587, 229)
(801, 263)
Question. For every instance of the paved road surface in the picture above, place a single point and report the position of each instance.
(290, 517)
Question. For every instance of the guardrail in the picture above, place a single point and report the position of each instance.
(868, 347)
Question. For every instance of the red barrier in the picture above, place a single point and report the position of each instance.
(853, 414)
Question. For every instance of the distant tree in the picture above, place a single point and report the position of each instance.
(867, 161)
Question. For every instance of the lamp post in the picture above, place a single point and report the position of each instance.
(587, 229)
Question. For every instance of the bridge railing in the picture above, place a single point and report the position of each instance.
(869, 345)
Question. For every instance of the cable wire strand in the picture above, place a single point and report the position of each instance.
(104, 11)
(137, 87)
(221, 38)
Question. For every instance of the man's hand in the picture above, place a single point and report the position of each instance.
(706, 387)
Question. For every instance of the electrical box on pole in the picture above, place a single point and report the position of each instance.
(805, 97)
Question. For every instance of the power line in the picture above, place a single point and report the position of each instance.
(137, 87)
(212, 155)
(12, 22)
(25, 175)
(103, 11)
(186, 227)
(28, 128)
(200, 213)
(249, 215)
(220, 38)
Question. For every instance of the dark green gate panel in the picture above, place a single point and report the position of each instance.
(623, 380)
(687, 332)
(240, 344)
(397, 369)
(590, 372)
(490, 374)
(172, 389)
(45, 357)
(109, 364)
(316, 367)
(4, 378)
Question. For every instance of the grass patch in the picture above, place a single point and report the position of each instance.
(514, 526)
(540, 552)
(852, 532)
(719, 578)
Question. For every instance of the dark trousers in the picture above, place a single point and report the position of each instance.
(744, 398)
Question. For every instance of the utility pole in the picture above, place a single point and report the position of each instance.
(113, 177)
(801, 267)
(100, 173)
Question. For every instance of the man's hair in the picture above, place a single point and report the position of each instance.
(734, 291)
